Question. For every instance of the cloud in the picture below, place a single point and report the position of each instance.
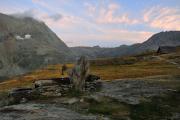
(162, 18)
(91, 9)
(77, 31)
(56, 17)
(110, 14)
(41, 3)
(28, 13)
(130, 36)
(64, 22)
(51, 5)
(39, 15)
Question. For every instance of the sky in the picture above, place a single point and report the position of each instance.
(107, 23)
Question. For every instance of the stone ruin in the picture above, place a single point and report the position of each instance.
(61, 86)
(55, 87)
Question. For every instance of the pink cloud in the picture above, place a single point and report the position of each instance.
(91, 9)
(163, 18)
(110, 15)
(66, 23)
(70, 32)
(130, 36)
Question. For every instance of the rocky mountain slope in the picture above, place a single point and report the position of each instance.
(27, 44)
(171, 38)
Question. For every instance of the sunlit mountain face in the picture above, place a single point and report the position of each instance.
(107, 23)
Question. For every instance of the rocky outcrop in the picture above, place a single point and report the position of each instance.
(131, 91)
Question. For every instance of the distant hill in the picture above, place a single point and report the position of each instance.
(27, 44)
(171, 38)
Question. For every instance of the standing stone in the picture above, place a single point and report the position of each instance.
(79, 73)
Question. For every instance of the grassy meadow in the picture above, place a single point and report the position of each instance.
(107, 69)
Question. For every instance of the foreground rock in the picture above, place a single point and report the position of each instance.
(32, 111)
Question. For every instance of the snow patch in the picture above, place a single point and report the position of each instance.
(19, 37)
(27, 36)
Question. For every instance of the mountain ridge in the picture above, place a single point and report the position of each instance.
(168, 38)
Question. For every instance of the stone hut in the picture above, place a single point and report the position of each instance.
(166, 49)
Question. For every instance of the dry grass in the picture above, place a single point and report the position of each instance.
(51, 71)
(140, 69)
